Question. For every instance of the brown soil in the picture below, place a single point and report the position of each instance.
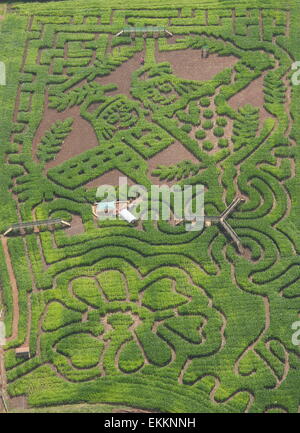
(170, 156)
(247, 254)
(183, 370)
(189, 65)
(77, 226)
(14, 287)
(81, 138)
(18, 403)
(252, 94)
(3, 383)
(109, 178)
(122, 76)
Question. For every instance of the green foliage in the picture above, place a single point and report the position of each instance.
(160, 296)
(87, 290)
(205, 102)
(179, 171)
(221, 121)
(131, 359)
(207, 124)
(207, 145)
(245, 126)
(218, 131)
(208, 114)
(200, 134)
(83, 350)
(53, 140)
(156, 350)
(186, 128)
(58, 315)
(112, 285)
(190, 116)
(223, 142)
(188, 327)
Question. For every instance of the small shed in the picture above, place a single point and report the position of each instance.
(128, 216)
(23, 352)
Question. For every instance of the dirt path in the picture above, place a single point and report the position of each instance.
(122, 75)
(81, 138)
(288, 23)
(4, 398)
(189, 65)
(77, 226)
(252, 94)
(14, 287)
(111, 177)
(183, 370)
(3, 383)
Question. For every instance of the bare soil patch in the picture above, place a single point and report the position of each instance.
(14, 287)
(109, 178)
(252, 94)
(189, 65)
(18, 403)
(81, 138)
(170, 156)
(77, 226)
(122, 76)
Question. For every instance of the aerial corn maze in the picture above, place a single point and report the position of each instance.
(150, 316)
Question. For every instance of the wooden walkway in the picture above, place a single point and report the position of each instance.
(47, 222)
(229, 230)
(222, 220)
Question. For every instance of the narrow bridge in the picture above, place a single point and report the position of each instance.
(147, 29)
(47, 222)
(222, 220)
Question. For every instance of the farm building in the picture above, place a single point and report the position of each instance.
(128, 216)
(23, 352)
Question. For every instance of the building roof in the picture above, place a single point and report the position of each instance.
(24, 349)
(105, 205)
(127, 216)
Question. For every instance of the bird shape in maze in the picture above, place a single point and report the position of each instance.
(137, 128)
